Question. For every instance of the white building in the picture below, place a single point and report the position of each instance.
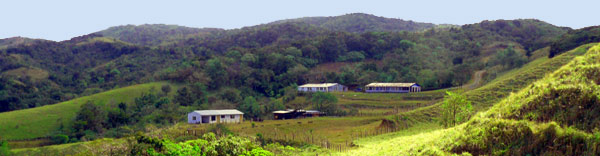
(215, 116)
(392, 88)
(322, 87)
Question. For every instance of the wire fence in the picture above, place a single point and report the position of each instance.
(299, 138)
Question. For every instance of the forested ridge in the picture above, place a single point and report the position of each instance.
(261, 61)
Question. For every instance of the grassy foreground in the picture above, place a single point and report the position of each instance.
(43, 121)
(553, 116)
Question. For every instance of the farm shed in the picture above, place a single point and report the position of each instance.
(296, 113)
(392, 87)
(322, 87)
(215, 116)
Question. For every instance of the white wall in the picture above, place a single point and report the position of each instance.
(227, 118)
(191, 117)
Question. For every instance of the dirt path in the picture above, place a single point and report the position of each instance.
(477, 76)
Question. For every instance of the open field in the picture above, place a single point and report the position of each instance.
(43, 121)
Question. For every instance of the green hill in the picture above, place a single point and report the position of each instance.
(360, 22)
(15, 41)
(153, 34)
(501, 87)
(43, 121)
(555, 115)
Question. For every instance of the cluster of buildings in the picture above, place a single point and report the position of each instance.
(235, 116)
(370, 88)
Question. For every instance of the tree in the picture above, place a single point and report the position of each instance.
(90, 117)
(406, 44)
(166, 89)
(184, 97)
(325, 102)
(455, 109)
(250, 107)
(217, 73)
(169, 112)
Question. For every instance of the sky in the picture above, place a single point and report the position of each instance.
(63, 19)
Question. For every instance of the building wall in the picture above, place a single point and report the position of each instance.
(191, 118)
(393, 89)
(335, 88)
(237, 118)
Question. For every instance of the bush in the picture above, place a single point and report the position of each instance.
(4, 149)
(60, 139)
(209, 145)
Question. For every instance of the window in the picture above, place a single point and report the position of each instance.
(213, 118)
(232, 116)
(222, 116)
(194, 118)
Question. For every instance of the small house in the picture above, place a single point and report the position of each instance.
(392, 88)
(322, 87)
(215, 116)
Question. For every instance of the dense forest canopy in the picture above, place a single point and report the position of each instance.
(263, 60)
(154, 34)
(360, 22)
(575, 38)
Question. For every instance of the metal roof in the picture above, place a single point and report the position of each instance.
(319, 85)
(391, 84)
(218, 112)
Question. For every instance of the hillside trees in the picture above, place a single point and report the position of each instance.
(194, 94)
(573, 39)
(509, 58)
(261, 59)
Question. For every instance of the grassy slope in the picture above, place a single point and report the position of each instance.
(42, 121)
(518, 125)
(499, 88)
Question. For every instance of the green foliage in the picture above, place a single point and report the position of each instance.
(353, 56)
(406, 44)
(166, 89)
(4, 148)
(509, 58)
(455, 109)
(60, 139)
(63, 114)
(216, 70)
(90, 117)
(208, 145)
(251, 108)
(325, 102)
(552, 116)
(360, 22)
(152, 34)
(575, 38)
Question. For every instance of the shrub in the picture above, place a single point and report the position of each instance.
(4, 149)
(60, 139)
(208, 145)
